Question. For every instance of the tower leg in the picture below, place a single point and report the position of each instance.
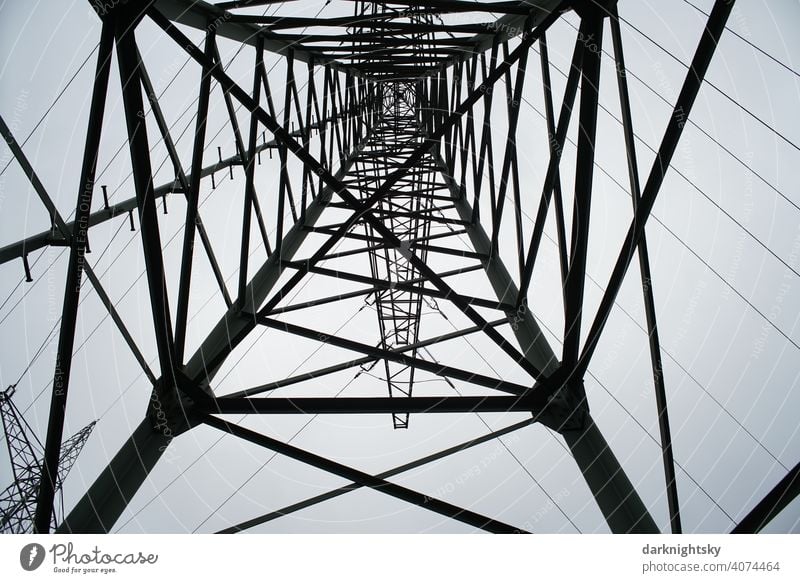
(98, 510)
(616, 497)
(618, 500)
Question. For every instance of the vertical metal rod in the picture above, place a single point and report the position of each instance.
(69, 312)
(146, 204)
(192, 196)
(647, 283)
(283, 151)
(26, 266)
(592, 27)
(556, 151)
(514, 101)
(249, 189)
(561, 231)
(163, 127)
(306, 142)
(683, 106)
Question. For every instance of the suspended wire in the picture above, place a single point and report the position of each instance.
(704, 195)
(753, 45)
(707, 266)
(53, 104)
(25, 141)
(33, 284)
(667, 352)
(124, 143)
(646, 431)
(175, 122)
(683, 243)
(203, 455)
(623, 407)
(239, 106)
(139, 375)
(691, 122)
(272, 456)
(486, 424)
(49, 336)
(716, 88)
(115, 304)
(693, 252)
(47, 339)
(684, 369)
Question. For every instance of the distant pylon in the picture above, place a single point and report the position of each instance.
(18, 500)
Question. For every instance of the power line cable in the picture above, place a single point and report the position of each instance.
(749, 42)
(716, 88)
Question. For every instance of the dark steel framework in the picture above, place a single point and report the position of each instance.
(392, 139)
(18, 499)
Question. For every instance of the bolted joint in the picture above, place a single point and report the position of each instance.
(171, 409)
(567, 408)
(8, 393)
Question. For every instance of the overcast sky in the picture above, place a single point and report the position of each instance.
(724, 245)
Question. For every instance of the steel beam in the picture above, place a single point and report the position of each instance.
(591, 27)
(647, 284)
(232, 328)
(529, 335)
(355, 362)
(106, 499)
(614, 493)
(556, 149)
(130, 77)
(380, 353)
(69, 311)
(383, 475)
(683, 106)
(378, 484)
(375, 405)
(192, 201)
(784, 492)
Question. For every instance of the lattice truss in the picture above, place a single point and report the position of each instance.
(18, 500)
(373, 159)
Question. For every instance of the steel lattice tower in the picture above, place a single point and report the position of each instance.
(18, 500)
(385, 136)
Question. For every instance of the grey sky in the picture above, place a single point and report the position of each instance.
(731, 373)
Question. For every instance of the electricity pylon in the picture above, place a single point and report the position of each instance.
(386, 136)
(18, 500)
